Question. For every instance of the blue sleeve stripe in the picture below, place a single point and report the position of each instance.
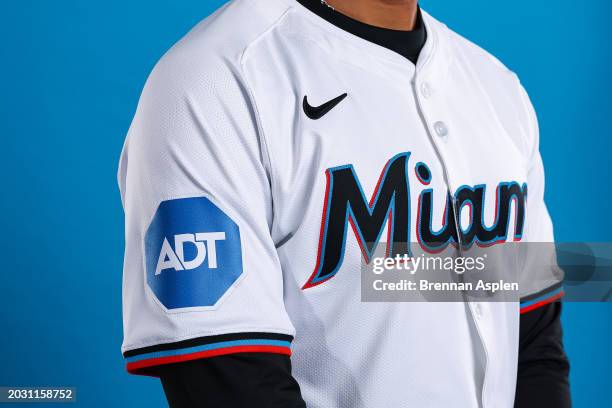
(208, 347)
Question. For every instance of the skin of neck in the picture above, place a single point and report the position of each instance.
(390, 14)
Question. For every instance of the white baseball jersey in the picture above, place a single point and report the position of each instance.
(251, 204)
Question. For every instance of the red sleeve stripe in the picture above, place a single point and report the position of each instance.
(135, 366)
(542, 300)
(138, 360)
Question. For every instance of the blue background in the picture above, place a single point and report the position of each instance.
(71, 75)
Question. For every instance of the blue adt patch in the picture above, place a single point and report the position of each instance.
(192, 252)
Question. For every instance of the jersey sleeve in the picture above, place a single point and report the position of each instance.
(541, 278)
(201, 274)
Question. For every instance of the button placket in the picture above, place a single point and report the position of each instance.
(437, 131)
(440, 128)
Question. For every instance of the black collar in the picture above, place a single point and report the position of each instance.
(405, 43)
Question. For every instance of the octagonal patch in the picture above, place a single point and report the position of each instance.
(192, 253)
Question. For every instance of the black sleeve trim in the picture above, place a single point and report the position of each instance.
(139, 361)
(542, 298)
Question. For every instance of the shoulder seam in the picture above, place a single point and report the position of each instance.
(264, 139)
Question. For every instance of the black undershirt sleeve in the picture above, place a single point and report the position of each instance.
(543, 368)
(237, 380)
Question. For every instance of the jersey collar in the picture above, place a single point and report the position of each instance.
(434, 60)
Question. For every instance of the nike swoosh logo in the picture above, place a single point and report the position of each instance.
(317, 112)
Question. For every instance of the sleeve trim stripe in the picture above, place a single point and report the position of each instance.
(259, 338)
(133, 367)
(137, 361)
(541, 293)
(209, 347)
(542, 300)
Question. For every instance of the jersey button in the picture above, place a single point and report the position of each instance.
(426, 90)
(478, 311)
(441, 129)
